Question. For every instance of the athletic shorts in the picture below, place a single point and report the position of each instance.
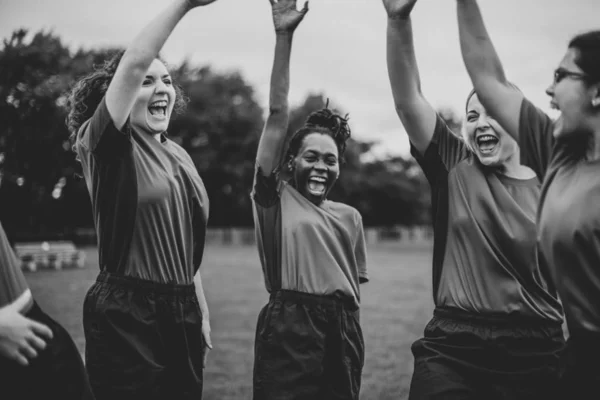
(56, 373)
(469, 356)
(582, 371)
(143, 339)
(308, 347)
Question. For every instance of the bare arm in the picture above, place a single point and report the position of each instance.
(144, 48)
(500, 98)
(416, 114)
(270, 148)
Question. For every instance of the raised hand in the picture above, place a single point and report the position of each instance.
(398, 8)
(286, 17)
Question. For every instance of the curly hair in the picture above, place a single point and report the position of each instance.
(323, 121)
(87, 93)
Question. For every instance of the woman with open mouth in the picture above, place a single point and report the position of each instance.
(309, 343)
(496, 329)
(145, 318)
(565, 154)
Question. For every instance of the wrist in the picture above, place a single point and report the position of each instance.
(399, 18)
(284, 33)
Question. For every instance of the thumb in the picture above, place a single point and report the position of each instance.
(21, 302)
(305, 8)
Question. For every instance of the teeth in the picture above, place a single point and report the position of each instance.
(318, 179)
(159, 103)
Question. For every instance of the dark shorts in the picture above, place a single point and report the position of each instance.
(56, 373)
(468, 356)
(308, 347)
(582, 371)
(143, 339)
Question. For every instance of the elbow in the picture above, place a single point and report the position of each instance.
(136, 62)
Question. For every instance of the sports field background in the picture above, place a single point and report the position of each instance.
(396, 305)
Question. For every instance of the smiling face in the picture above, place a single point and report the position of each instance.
(492, 145)
(316, 166)
(153, 106)
(570, 94)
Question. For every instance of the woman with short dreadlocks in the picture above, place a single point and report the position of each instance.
(309, 342)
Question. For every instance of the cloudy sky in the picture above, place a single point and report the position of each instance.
(339, 48)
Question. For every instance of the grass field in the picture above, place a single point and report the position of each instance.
(396, 305)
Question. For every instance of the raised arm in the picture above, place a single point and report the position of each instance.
(416, 114)
(500, 98)
(272, 141)
(144, 48)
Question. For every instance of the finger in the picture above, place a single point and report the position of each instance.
(28, 351)
(272, 2)
(207, 340)
(305, 8)
(41, 329)
(37, 342)
(20, 359)
(204, 358)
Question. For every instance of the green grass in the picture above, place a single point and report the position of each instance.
(396, 305)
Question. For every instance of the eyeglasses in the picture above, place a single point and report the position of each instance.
(561, 74)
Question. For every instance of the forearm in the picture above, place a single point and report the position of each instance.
(201, 297)
(273, 139)
(478, 52)
(136, 60)
(402, 64)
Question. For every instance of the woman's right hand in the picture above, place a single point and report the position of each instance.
(286, 17)
(397, 9)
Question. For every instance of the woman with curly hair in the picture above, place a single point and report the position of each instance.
(309, 342)
(145, 318)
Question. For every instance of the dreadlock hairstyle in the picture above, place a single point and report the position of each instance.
(87, 93)
(323, 121)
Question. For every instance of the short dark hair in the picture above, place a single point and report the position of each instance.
(325, 122)
(588, 54)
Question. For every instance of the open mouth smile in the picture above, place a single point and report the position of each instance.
(158, 108)
(487, 143)
(317, 185)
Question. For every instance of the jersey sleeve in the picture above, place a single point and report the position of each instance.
(100, 137)
(443, 153)
(536, 138)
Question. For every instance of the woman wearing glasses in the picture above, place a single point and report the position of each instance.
(566, 155)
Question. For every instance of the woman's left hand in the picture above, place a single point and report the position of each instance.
(208, 343)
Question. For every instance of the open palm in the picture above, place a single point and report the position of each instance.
(285, 15)
(398, 8)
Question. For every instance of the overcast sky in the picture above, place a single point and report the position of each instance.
(339, 49)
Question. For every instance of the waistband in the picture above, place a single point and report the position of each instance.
(503, 320)
(330, 301)
(128, 282)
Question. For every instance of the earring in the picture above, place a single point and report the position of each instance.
(596, 102)
(290, 166)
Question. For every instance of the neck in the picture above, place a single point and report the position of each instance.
(156, 136)
(513, 168)
(593, 150)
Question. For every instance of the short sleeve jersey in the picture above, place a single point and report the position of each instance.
(568, 218)
(484, 257)
(12, 280)
(149, 203)
(304, 247)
